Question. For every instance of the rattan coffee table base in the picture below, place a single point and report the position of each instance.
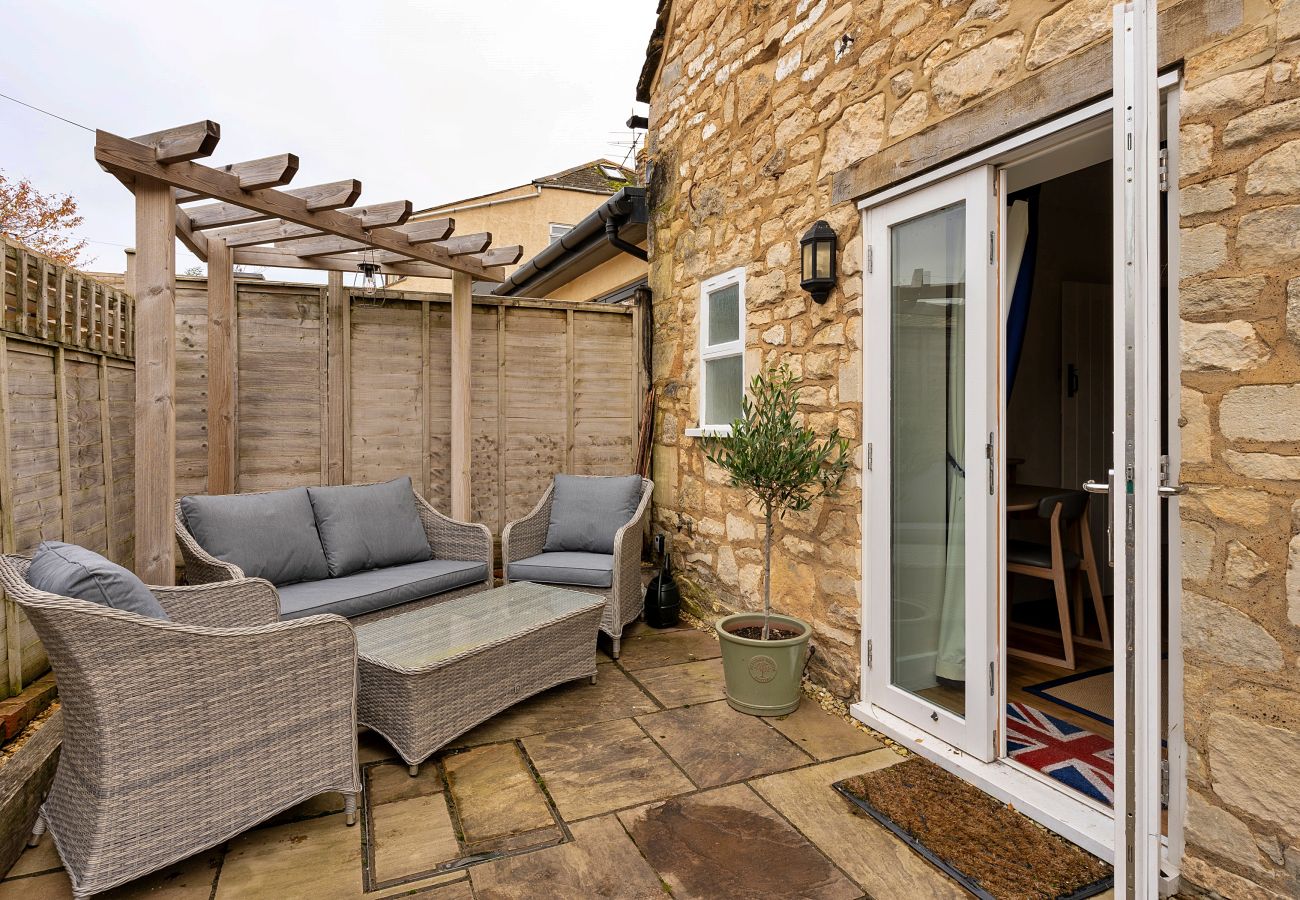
(428, 676)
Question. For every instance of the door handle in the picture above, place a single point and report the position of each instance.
(1104, 487)
(1171, 490)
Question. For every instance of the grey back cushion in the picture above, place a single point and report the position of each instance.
(271, 535)
(72, 571)
(369, 526)
(587, 510)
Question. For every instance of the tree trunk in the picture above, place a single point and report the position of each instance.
(767, 571)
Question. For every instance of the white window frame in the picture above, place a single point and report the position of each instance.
(551, 231)
(708, 351)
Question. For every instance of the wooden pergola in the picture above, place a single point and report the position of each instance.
(253, 222)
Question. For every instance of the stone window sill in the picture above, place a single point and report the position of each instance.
(709, 431)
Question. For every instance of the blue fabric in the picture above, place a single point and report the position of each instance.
(1018, 314)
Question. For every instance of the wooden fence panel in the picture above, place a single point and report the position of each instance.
(281, 398)
(552, 390)
(67, 397)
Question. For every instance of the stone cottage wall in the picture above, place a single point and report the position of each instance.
(758, 104)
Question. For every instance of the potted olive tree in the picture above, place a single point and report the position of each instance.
(781, 464)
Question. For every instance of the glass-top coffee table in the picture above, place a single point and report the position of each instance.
(428, 676)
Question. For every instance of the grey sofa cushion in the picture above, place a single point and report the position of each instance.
(587, 510)
(363, 592)
(271, 535)
(565, 567)
(369, 526)
(72, 571)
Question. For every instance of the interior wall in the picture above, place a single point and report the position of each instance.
(1074, 244)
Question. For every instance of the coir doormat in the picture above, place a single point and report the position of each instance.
(986, 846)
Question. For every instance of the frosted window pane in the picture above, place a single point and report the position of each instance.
(724, 386)
(724, 315)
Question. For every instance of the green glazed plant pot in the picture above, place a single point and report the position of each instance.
(763, 676)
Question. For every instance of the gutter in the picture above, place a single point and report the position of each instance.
(599, 227)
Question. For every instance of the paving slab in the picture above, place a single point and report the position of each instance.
(190, 879)
(613, 696)
(386, 782)
(412, 837)
(603, 767)
(601, 861)
(315, 859)
(650, 649)
(41, 858)
(320, 805)
(371, 747)
(727, 842)
(823, 735)
(884, 866)
(716, 745)
(495, 793)
(684, 683)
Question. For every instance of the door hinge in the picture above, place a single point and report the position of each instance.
(988, 452)
(991, 679)
(1162, 170)
(870, 454)
(869, 654)
(870, 261)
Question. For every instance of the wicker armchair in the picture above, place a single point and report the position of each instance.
(179, 735)
(625, 598)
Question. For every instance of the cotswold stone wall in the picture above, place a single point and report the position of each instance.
(1240, 302)
(758, 104)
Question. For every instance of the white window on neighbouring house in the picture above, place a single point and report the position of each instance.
(722, 351)
(558, 231)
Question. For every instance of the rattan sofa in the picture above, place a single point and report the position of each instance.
(467, 545)
(525, 539)
(179, 735)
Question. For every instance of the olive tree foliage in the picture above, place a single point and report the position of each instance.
(778, 460)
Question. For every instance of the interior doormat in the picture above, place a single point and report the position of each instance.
(984, 845)
(1091, 693)
(1068, 753)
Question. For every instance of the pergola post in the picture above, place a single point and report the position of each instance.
(223, 370)
(462, 310)
(155, 380)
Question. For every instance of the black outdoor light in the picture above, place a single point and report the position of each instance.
(817, 260)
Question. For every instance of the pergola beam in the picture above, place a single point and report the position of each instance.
(278, 231)
(122, 154)
(262, 256)
(181, 144)
(317, 197)
(269, 171)
(500, 256)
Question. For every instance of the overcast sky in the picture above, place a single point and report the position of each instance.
(426, 100)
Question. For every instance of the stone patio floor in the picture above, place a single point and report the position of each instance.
(645, 784)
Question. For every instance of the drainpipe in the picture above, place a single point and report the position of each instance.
(611, 235)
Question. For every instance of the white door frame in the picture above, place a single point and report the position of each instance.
(971, 732)
(1067, 812)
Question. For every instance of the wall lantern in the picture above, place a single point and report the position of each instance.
(817, 261)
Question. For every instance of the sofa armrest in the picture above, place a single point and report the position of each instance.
(225, 604)
(526, 537)
(627, 552)
(451, 539)
(201, 567)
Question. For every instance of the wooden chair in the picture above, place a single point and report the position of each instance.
(1057, 562)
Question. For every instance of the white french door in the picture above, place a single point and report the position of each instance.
(931, 325)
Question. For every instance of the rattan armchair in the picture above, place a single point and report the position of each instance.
(179, 735)
(625, 597)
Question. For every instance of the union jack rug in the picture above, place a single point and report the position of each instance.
(1070, 754)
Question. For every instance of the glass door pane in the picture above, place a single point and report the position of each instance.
(928, 448)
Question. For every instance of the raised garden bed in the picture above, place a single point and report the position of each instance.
(33, 726)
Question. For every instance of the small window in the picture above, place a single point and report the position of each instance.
(722, 351)
(614, 173)
(558, 231)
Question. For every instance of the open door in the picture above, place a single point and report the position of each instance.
(930, 321)
(1139, 481)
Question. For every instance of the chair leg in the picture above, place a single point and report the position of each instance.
(617, 644)
(1063, 612)
(413, 771)
(38, 829)
(350, 808)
